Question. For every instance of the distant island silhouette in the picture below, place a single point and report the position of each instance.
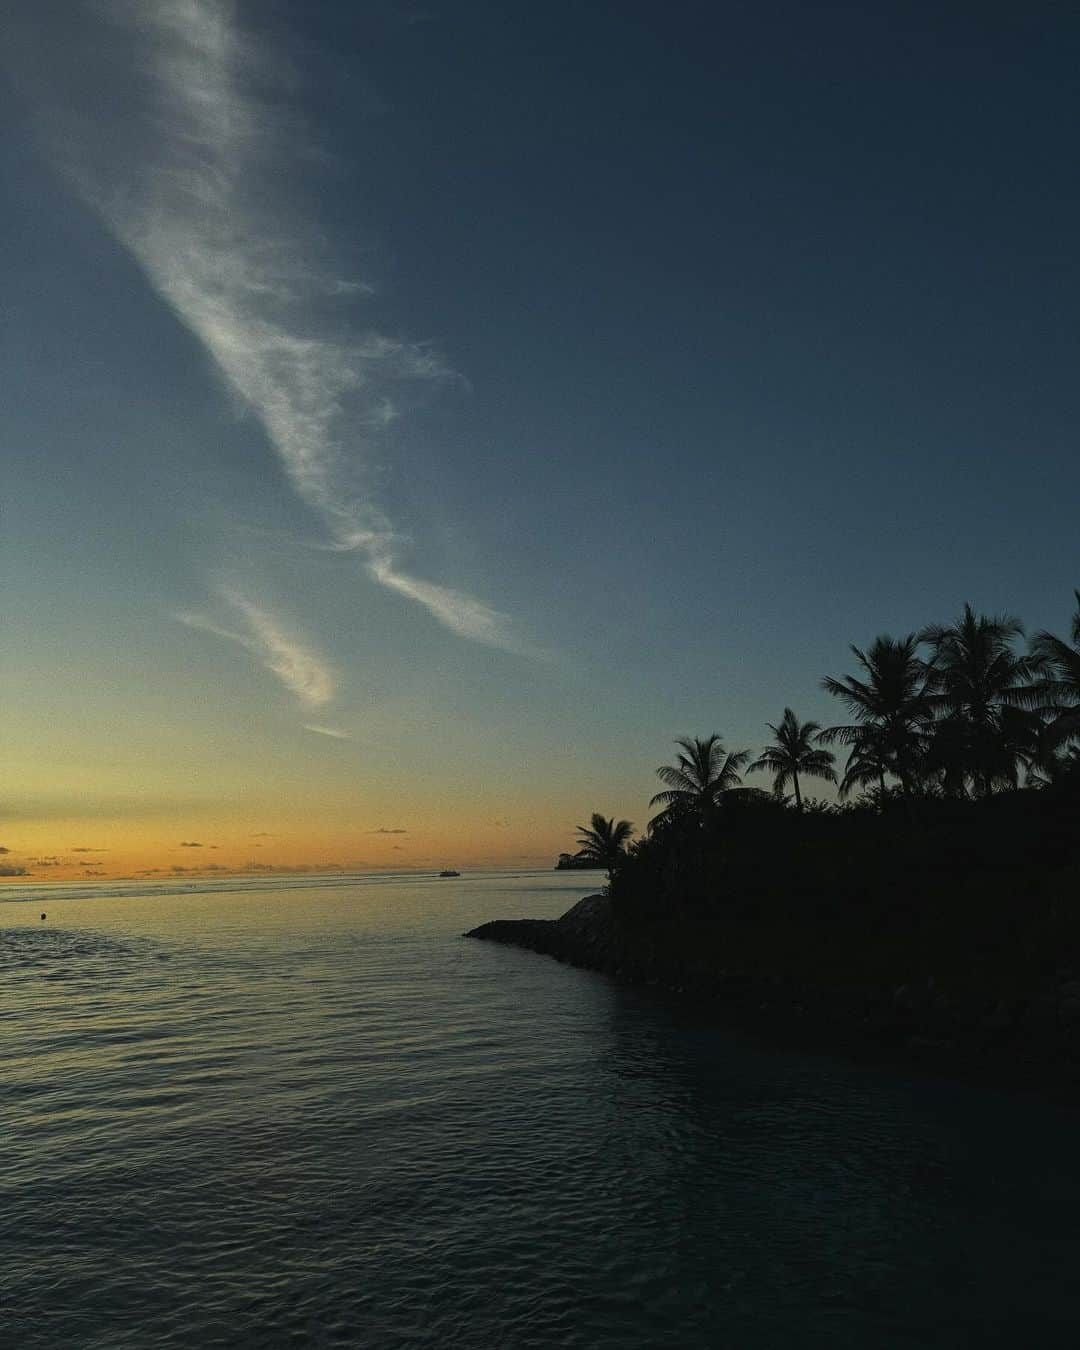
(574, 862)
(930, 910)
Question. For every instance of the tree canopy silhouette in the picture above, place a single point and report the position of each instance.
(603, 842)
(793, 752)
(891, 708)
(1057, 667)
(974, 718)
(976, 679)
(703, 773)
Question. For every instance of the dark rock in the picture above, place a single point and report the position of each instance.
(968, 1029)
(584, 935)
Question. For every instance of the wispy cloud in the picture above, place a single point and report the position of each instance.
(288, 656)
(459, 612)
(383, 830)
(335, 733)
(200, 207)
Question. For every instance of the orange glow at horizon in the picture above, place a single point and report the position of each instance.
(66, 850)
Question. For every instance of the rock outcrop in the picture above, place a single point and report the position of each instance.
(583, 936)
(1033, 1040)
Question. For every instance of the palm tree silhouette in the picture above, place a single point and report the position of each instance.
(698, 780)
(1057, 663)
(793, 753)
(867, 767)
(1035, 738)
(891, 709)
(604, 842)
(976, 676)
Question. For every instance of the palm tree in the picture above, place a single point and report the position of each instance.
(976, 676)
(891, 711)
(867, 766)
(1057, 663)
(792, 753)
(698, 780)
(604, 842)
(1035, 739)
(948, 753)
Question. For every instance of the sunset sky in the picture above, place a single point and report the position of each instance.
(415, 416)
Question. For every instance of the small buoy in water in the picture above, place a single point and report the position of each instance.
(43, 916)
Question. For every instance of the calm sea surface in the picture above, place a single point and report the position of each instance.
(306, 1112)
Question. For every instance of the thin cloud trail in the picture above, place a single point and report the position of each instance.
(193, 211)
(335, 733)
(296, 665)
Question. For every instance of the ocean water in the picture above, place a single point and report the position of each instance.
(307, 1113)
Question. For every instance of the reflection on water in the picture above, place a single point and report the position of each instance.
(318, 1117)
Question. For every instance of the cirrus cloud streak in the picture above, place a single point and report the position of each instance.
(299, 668)
(196, 202)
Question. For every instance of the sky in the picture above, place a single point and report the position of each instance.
(415, 415)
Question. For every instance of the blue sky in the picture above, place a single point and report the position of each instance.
(509, 388)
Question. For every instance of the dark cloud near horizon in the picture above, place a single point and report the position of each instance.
(383, 830)
(89, 850)
(8, 870)
(4, 850)
(190, 843)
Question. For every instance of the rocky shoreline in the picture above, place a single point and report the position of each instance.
(1023, 1038)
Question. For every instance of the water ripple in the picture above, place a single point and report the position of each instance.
(330, 1122)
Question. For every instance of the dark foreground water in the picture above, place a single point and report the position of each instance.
(314, 1116)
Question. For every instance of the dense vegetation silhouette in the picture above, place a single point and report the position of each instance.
(794, 751)
(602, 843)
(704, 773)
(953, 843)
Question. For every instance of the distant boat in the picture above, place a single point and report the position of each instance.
(449, 873)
